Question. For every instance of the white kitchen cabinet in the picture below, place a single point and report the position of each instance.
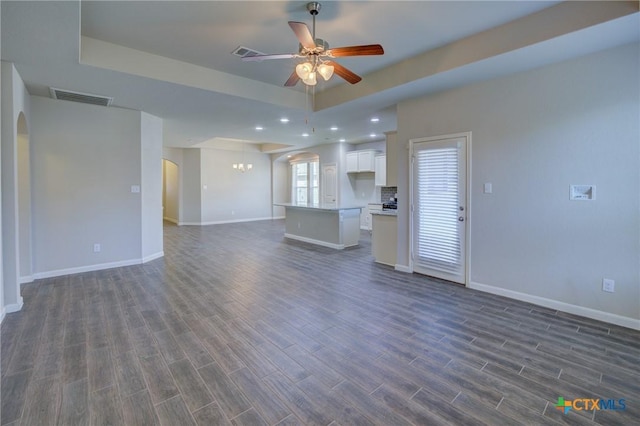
(366, 161)
(361, 161)
(352, 161)
(384, 238)
(381, 170)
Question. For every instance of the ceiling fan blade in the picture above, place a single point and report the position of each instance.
(304, 35)
(367, 49)
(260, 58)
(293, 79)
(345, 73)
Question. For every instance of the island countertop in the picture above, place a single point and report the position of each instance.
(328, 207)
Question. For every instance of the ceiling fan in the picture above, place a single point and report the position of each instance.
(317, 54)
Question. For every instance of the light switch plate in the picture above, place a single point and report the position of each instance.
(135, 189)
(488, 188)
(582, 192)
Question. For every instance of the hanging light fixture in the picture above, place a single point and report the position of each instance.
(242, 167)
(308, 71)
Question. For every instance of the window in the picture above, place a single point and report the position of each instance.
(305, 178)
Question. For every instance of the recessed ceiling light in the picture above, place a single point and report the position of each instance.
(305, 134)
(375, 119)
(288, 156)
(334, 128)
(373, 135)
(342, 140)
(259, 128)
(284, 120)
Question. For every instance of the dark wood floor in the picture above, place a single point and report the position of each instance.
(238, 326)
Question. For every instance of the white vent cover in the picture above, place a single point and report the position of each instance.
(85, 98)
(245, 52)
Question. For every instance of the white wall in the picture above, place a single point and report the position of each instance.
(15, 102)
(534, 134)
(229, 195)
(84, 160)
(281, 184)
(191, 207)
(151, 182)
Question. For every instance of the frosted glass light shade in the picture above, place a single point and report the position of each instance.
(311, 79)
(303, 70)
(326, 71)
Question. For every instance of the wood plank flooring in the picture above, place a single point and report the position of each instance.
(236, 325)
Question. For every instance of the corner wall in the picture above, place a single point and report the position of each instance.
(85, 159)
(151, 182)
(15, 101)
(534, 134)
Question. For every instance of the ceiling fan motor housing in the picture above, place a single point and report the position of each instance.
(313, 7)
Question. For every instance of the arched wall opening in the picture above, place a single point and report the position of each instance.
(170, 191)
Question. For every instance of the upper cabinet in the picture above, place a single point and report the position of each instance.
(361, 161)
(392, 159)
(381, 170)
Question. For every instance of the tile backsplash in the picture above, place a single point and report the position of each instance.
(387, 192)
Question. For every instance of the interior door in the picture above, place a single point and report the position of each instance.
(330, 184)
(439, 218)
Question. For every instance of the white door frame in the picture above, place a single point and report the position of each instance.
(467, 244)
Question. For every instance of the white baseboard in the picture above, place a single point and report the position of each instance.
(25, 279)
(317, 242)
(223, 222)
(403, 268)
(560, 306)
(13, 307)
(278, 217)
(154, 256)
(96, 267)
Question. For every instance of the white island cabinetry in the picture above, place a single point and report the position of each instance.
(329, 226)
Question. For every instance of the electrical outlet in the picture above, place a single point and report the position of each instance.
(97, 248)
(608, 285)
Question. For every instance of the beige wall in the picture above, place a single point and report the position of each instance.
(534, 134)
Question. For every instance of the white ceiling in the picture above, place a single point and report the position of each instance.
(173, 59)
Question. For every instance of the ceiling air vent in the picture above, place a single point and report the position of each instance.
(245, 52)
(85, 98)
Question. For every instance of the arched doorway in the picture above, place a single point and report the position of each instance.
(170, 191)
(25, 266)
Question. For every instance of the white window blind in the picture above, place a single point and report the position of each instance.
(437, 194)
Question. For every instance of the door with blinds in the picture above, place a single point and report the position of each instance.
(439, 218)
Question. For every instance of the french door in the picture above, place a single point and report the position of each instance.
(439, 206)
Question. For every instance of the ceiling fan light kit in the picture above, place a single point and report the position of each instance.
(314, 51)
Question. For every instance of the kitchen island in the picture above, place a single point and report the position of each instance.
(331, 226)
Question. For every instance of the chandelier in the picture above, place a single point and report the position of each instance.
(242, 167)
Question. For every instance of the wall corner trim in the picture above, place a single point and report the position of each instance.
(403, 268)
(153, 257)
(26, 279)
(14, 307)
(560, 306)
